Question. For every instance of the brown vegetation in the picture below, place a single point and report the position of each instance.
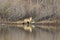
(20, 9)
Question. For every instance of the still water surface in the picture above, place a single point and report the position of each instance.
(8, 32)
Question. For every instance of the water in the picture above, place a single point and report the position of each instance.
(14, 33)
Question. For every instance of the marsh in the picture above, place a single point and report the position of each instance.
(39, 10)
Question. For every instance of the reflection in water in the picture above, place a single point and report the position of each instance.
(9, 32)
(28, 27)
(32, 27)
